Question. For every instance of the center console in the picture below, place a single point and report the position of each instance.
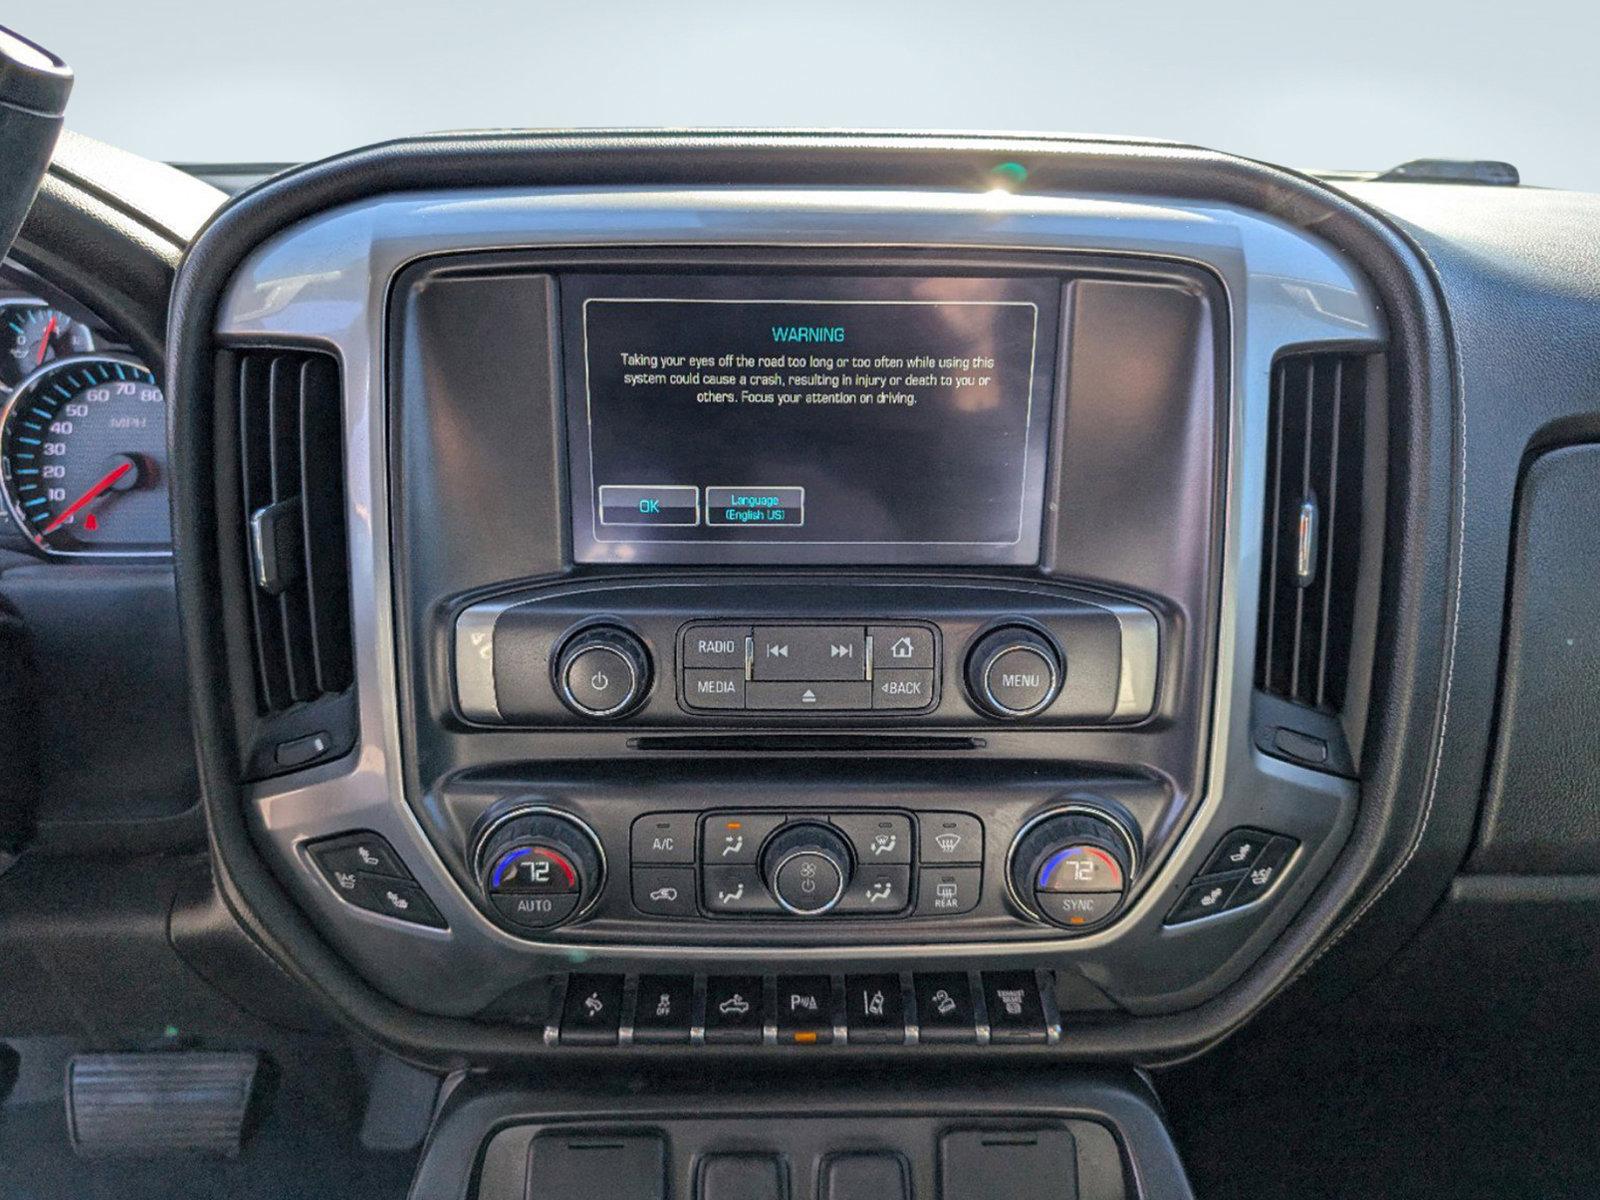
(737, 619)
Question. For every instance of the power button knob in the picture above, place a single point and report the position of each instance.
(602, 672)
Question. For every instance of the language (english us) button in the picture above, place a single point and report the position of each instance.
(755, 506)
(627, 504)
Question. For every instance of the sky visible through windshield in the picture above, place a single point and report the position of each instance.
(1362, 85)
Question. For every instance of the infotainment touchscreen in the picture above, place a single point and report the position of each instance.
(814, 420)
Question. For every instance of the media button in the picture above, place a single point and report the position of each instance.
(715, 646)
(720, 689)
(893, 688)
(649, 505)
(810, 652)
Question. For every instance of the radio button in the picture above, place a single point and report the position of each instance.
(901, 689)
(714, 689)
(950, 838)
(946, 891)
(715, 646)
(810, 653)
(904, 647)
(801, 697)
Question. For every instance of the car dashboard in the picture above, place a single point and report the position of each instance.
(841, 609)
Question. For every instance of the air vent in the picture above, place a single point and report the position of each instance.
(1312, 539)
(291, 479)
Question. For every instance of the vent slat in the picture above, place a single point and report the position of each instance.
(1311, 540)
(291, 466)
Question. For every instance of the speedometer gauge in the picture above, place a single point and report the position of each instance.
(83, 458)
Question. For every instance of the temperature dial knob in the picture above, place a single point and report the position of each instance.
(602, 671)
(806, 868)
(1072, 868)
(538, 868)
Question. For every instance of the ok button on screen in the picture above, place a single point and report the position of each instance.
(663, 505)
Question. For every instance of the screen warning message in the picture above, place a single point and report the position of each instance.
(911, 425)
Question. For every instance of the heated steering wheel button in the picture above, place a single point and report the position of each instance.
(365, 852)
(592, 1013)
(1237, 851)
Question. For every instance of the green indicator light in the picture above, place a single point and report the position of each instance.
(1009, 174)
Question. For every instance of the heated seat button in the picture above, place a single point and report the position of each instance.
(947, 891)
(1237, 851)
(1264, 872)
(945, 1011)
(950, 838)
(735, 1009)
(664, 1010)
(663, 838)
(359, 852)
(1016, 1011)
(805, 1009)
(1204, 898)
(874, 1009)
(395, 898)
(664, 891)
(592, 1012)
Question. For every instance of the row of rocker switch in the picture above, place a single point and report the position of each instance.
(806, 1010)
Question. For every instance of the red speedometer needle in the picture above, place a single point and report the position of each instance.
(106, 481)
(44, 342)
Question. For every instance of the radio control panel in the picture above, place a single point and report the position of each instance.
(774, 654)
